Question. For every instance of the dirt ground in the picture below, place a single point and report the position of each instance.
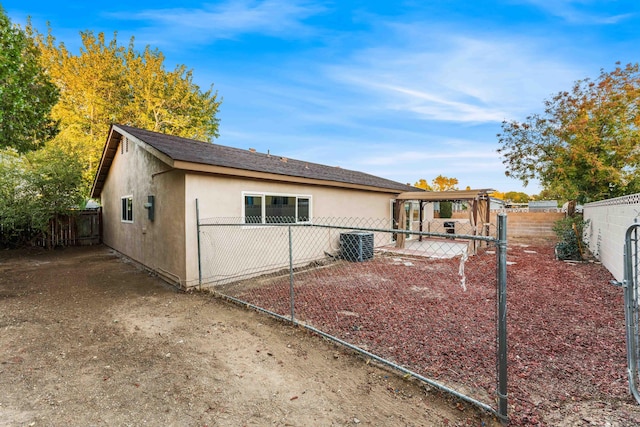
(89, 339)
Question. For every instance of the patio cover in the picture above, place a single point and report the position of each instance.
(478, 203)
(440, 196)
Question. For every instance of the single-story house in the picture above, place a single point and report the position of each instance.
(148, 184)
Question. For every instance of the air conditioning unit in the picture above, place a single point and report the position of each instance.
(356, 245)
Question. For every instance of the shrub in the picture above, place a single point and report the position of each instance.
(34, 188)
(446, 209)
(570, 232)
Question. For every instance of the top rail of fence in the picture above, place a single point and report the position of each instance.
(335, 223)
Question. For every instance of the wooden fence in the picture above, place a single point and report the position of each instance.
(78, 228)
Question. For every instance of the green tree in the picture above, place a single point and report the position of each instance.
(585, 145)
(107, 83)
(516, 196)
(35, 187)
(26, 92)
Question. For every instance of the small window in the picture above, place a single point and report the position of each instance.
(127, 209)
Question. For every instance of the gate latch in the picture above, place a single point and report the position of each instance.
(622, 284)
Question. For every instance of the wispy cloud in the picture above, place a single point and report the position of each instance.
(458, 76)
(436, 107)
(278, 18)
(583, 12)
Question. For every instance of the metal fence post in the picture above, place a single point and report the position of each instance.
(291, 294)
(199, 250)
(502, 315)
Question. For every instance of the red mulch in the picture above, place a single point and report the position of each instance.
(566, 332)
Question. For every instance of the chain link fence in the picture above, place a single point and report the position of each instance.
(431, 304)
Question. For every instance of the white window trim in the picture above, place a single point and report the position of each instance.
(129, 196)
(263, 195)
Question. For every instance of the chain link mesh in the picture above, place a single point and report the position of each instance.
(425, 301)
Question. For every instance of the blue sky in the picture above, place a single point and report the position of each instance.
(400, 89)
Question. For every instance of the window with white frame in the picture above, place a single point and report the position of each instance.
(265, 208)
(127, 209)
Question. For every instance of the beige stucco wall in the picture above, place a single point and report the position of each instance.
(221, 196)
(169, 244)
(157, 244)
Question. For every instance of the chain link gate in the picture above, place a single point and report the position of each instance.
(631, 309)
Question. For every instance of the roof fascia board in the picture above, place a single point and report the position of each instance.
(110, 144)
(242, 173)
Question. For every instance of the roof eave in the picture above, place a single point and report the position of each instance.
(109, 152)
(244, 173)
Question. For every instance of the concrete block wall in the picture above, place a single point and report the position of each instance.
(524, 224)
(608, 223)
(532, 224)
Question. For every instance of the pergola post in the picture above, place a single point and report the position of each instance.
(400, 236)
(421, 218)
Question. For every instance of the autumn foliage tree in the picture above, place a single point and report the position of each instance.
(443, 183)
(439, 183)
(422, 183)
(106, 83)
(585, 145)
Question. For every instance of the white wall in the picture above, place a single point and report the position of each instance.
(609, 221)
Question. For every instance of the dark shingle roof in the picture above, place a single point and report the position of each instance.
(187, 150)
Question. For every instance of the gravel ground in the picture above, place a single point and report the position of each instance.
(566, 333)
